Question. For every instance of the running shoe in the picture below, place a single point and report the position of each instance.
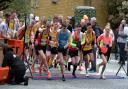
(102, 77)
(74, 75)
(63, 78)
(40, 70)
(49, 75)
(86, 75)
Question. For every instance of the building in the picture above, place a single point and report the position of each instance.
(66, 8)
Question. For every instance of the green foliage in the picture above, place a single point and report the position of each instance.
(117, 10)
(80, 11)
(4, 4)
(22, 7)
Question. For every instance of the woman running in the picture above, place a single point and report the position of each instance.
(41, 49)
(104, 42)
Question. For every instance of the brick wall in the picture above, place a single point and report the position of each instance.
(101, 12)
(66, 8)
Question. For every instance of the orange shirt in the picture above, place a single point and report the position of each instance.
(103, 42)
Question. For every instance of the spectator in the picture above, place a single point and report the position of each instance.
(16, 65)
(83, 25)
(121, 41)
(96, 27)
(97, 31)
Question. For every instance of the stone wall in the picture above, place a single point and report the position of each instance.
(63, 7)
(101, 11)
(66, 8)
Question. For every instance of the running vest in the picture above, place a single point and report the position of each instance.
(63, 38)
(103, 42)
(44, 38)
(53, 36)
(75, 38)
(90, 38)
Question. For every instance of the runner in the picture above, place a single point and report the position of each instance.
(104, 42)
(88, 42)
(74, 46)
(40, 50)
(53, 41)
(63, 38)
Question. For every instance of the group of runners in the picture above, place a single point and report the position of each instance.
(64, 43)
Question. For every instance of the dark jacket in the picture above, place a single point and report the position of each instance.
(97, 30)
(11, 61)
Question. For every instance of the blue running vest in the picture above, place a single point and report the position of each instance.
(63, 38)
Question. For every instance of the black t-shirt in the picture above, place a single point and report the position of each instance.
(97, 30)
(84, 28)
(13, 62)
(70, 28)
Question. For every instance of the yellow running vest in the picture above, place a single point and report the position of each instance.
(54, 35)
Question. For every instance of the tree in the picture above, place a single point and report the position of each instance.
(22, 7)
(117, 10)
(4, 4)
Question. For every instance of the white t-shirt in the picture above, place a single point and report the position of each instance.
(126, 31)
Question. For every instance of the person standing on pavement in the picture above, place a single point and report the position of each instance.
(84, 22)
(71, 24)
(104, 41)
(97, 31)
(121, 40)
(5, 27)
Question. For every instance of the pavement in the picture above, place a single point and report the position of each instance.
(112, 68)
